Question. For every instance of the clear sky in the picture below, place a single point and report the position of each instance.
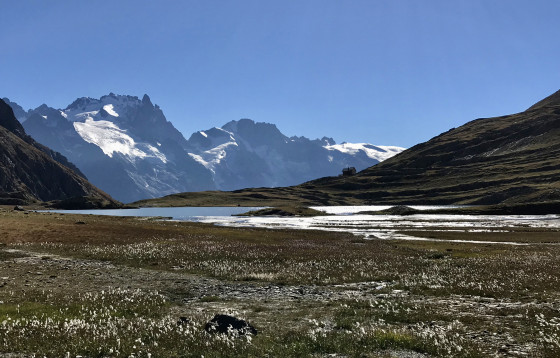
(392, 72)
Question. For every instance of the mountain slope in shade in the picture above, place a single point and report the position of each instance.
(19, 112)
(29, 173)
(509, 159)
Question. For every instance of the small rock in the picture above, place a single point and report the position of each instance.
(183, 321)
(80, 223)
(222, 323)
(18, 208)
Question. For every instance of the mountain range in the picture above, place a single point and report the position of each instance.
(29, 169)
(125, 146)
(508, 160)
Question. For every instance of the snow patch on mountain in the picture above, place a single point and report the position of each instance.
(113, 105)
(107, 136)
(82, 116)
(212, 157)
(109, 108)
(111, 139)
(377, 152)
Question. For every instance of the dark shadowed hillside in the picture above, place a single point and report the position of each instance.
(32, 172)
(507, 159)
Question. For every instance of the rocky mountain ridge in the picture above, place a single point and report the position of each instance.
(510, 160)
(126, 146)
(245, 153)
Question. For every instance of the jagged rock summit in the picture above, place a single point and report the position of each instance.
(246, 153)
(122, 144)
(30, 172)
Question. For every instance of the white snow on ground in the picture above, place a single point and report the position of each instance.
(378, 152)
(110, 109)
(212, 157)
(111, 139)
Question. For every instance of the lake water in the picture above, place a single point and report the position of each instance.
(346, 219)
(179, 213)
(190, 213)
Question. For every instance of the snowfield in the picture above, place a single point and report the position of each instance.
(377, 152)
(213, 157)
(111, 139)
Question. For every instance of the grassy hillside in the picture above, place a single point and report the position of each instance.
(513, 159)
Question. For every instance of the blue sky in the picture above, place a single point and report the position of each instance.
(390, 72)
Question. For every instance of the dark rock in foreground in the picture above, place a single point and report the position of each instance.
(222, 323)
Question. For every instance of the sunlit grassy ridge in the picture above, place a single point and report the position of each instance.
(117, 286)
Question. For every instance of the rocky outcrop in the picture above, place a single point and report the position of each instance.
(227, 324)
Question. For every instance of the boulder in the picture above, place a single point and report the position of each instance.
(183, 321)
(222, 323)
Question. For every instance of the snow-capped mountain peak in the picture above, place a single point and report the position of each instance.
(126, 146)
(112, 105)
(123, 144)
(246, 153)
